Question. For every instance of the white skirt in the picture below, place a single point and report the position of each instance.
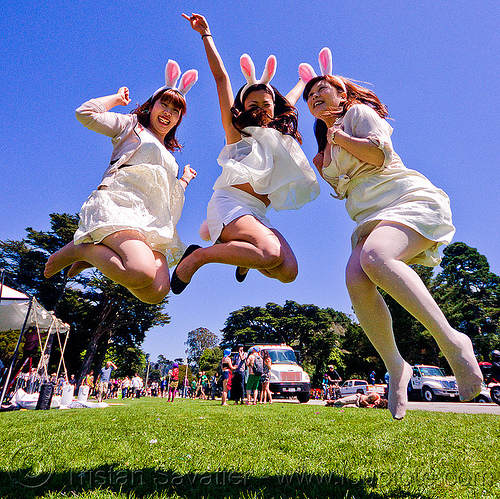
(146, 198)
(407, 197)
(231, 203)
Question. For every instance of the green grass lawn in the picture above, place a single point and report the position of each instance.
(199, 449)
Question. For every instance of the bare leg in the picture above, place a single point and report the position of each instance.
(78, 267)
(123, 257)
(246, 243)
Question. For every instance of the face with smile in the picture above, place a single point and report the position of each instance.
(324, 96)
(262, 99)
(164, 115)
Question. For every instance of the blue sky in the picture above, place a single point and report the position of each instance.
(434, 64)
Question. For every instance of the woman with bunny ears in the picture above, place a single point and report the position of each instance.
(127, 226)
(401, 217)
(262, 166)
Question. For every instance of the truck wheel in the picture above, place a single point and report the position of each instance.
(495, 394)
(303, 397)
(428, 394)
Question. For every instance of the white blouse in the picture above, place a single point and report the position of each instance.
(273, 164)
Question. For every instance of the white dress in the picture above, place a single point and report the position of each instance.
(391, 192)
(144, 195)
(273, 164)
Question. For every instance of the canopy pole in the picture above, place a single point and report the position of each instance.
(14, 357)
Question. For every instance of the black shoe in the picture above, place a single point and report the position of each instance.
(240, 277)
(176, 285)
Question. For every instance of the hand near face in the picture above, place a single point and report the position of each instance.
(123, 96)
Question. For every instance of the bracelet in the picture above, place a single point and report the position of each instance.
(182, 178)
(207, 34)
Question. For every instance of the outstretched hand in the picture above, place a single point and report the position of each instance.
(123, 96)
(198, 23)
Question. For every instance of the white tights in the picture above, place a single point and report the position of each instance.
(378, 261)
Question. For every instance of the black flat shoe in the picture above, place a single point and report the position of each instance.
(176, 285)
(240, 277)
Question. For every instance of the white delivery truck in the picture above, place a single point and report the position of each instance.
(430, 383)
(287, 378)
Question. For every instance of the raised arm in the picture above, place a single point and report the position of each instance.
(224, 91)
(94, 115)
(293, 96)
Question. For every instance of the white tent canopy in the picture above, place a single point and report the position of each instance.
(14, 307)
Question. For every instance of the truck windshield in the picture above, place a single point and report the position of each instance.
(282, 356)
(431, 371)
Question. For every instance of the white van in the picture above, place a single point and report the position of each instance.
(287, 378)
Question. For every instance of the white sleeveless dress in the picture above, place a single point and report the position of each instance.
(144, 195)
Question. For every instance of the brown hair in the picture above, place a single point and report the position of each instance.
(356, 94)
(286, 117)
(168, 96)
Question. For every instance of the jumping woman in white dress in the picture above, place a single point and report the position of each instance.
(401, 217)
(263, 165)
(127, 226)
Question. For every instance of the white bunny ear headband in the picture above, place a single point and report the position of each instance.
(248, 70)
(172, 73)
(307, 73)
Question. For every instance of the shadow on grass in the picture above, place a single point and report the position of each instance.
(27, 483)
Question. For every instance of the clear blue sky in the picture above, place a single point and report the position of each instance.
(435, 65)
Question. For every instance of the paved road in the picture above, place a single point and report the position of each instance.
(458, 407)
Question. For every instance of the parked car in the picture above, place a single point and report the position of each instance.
(352, 386)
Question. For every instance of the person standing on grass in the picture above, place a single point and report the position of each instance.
(137, 385)
(254, 364)
(401, 219)
(103, 380)
(174, 382)
(227, 372)
(265, 392)
(238, 381)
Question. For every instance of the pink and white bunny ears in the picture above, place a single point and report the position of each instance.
(248, 70)
(172, 73)
(307, 73)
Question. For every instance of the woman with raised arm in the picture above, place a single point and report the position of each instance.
(262, 166)
(401, 219)
(127, 226)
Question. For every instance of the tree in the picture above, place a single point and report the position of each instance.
(99, 311)
(469, 295)
(210, 360)
(315, 332)
(198, 341)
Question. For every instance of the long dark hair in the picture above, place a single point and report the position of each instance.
(356, 94)
(168, 96)
(286, 117)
